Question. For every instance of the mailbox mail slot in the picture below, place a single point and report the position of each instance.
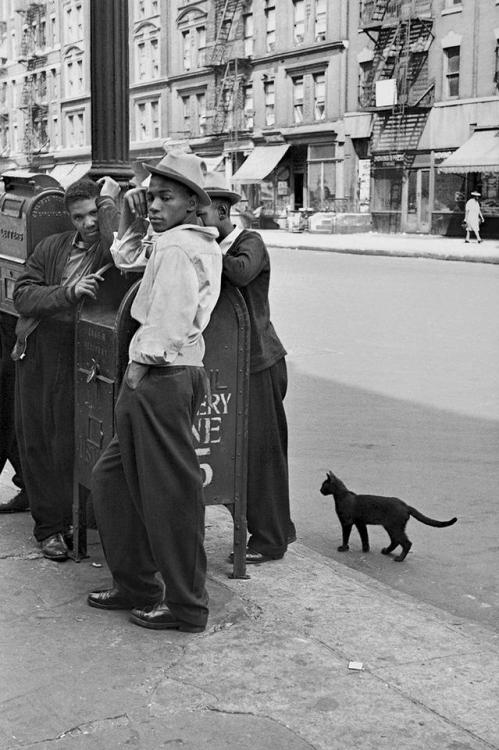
(31, 208)
(103, 333)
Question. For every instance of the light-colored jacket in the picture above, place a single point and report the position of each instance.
(177, 294)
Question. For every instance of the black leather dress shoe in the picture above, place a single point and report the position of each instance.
(17, 504)
(54, 548)
(109, 599)
(255, 558)
(159, 617)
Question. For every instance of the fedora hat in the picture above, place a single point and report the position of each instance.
(217, 186)
(187, 169)
(475, 192)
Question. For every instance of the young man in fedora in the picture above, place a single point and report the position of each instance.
(147, 485)
(246, 265)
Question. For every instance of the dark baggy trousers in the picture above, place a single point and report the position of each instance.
(45, 424)
(268, 512)
(147, 493)
(8, 443)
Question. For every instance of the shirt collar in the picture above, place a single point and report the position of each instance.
(228, 241)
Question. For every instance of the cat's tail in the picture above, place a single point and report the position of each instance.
(429, 521)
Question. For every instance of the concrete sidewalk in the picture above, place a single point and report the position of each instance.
(271, 672)
(401, 245)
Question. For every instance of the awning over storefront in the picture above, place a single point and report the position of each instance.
(261, 161)
(358, 125)
(480, 153)
(70, 172)
(212, 162)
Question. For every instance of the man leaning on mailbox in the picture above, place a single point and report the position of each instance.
(61, 272)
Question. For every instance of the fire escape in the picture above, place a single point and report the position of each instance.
(4, 111)
(230, 69)
(401, 31)
(34, 100)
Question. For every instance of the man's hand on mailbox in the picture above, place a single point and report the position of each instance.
(134, 374)
(109, 187)
(136, 203)
(88, 286)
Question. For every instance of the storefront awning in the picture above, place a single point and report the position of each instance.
(261, 161)
(480, 153)
(359, 125)
(70, 172)
(212, 162)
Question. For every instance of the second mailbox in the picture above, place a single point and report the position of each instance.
(31, 208)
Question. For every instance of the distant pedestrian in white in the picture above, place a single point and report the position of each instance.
(473, 216)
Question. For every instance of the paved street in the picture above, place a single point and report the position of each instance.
(394, 382)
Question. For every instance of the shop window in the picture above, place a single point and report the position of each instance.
(270, 21)
(299, 21)
(452, 65)
(248, 34)
(269, 93)
(320, 20)
(319, 96)
(298, 99)
(322, 177)
(450, 192)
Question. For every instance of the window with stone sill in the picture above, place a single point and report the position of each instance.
(248, 108)
(147, 120)
(320, 20)
(75, 130)
(452, 59)
(270, 28)
(201, 112)
(319, 96)
(40, 133)
(186, 49)
(201, 46)
(298, 99)
(4, 134)
(248, 34)
(299, 21)
(365, 84)
(186, 115)
(269, 94)
(54, 140)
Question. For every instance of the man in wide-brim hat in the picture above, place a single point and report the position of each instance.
(147, 485)
(246, 264)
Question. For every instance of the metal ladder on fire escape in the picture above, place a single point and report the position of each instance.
(227, 76)
(33, 13)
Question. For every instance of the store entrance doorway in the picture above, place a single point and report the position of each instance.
(417, 215)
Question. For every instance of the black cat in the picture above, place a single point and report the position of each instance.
(389, 512)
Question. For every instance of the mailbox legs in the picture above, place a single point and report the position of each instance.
(79, 522)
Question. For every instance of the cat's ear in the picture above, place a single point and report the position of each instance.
(329, 474)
